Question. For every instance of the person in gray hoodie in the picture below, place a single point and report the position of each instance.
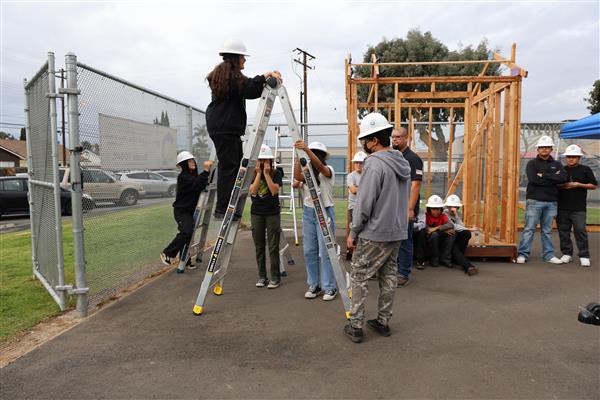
(379, 223)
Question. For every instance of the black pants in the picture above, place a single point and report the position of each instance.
(229, 154)
(185, 224)
(576, 219)
(269, 228)
(461, 241)
(437, 245)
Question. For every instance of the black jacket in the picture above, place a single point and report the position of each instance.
(188, 190)
(227, 116)
(544, 188)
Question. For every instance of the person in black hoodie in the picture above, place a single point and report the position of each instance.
(544, 174)
(189, 186)
(226, 117)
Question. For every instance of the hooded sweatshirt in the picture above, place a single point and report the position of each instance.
(381, 210)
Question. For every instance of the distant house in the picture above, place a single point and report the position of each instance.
(13, 153)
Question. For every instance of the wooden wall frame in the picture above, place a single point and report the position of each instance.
(489, 171)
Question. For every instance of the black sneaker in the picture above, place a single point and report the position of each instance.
(383, 330)
(420, 264)
(355, 334)
(166, 259)
(313, 292)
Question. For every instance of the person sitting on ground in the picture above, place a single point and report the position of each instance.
(572, 205)
(226, 117)
(435, 236)
(189, 186)
(318, 266)
(462, 235)
(544, 174)
(353, 181)
(378, 225)
(265, 216)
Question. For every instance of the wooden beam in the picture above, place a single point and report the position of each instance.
(409, 63)
(488, 91)
(433, 95)
(505, 167)
(450, 142)
(496, 165)
(477, 88)
(368, 105)
(417, 80)
(511, 64)
(429, 153)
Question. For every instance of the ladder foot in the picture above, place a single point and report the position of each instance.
(197, 310)
(180, 271)
(347, 314)
(218, 290)
(350, 294)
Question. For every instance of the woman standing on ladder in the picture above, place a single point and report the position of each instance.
(226, 117)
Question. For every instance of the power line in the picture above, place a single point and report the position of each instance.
(304, 95)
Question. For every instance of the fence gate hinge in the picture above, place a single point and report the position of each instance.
(69, 91)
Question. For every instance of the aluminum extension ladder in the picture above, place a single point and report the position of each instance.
(219, 260)
(285, 158)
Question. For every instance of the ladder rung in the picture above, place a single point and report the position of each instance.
(285, 196)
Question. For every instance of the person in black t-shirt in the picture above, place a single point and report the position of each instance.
(405, 255)
(572, 199)
(226, 114)
(189, 185)
(265, 216)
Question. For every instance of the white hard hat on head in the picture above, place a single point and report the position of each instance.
(453, 201)
(545, 141)
(318, 146)
(183, 156)
(233, 46)
(265, 153)
(360, 157)
(373, 123)
(573, 150)
(435, 201)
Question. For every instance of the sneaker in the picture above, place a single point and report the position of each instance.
(472, 270)
(262, 282)
(312, 292)
(566, 259)
(330, 294)
(521, 259)
(383, 330)
(585, 262)
(355, 334)
(420, 264)
(273, 285)
(554, 260)
(402, 281)
(166, 259)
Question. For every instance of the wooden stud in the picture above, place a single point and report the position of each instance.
(429, 153)
(450, 143)
(415, 104)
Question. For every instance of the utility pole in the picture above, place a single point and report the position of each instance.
(62, 106)
(304, 94)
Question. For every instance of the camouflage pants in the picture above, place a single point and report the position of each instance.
(372, 258)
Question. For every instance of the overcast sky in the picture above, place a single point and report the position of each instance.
(171, 46)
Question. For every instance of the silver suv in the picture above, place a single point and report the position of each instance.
(152, 183)
(102, 186)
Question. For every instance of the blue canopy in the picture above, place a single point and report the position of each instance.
(585, 128)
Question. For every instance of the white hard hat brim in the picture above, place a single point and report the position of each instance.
(241, 53)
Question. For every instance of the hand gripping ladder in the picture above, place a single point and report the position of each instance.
(221, 253)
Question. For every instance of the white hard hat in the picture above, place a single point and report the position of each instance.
(183, 156)
(453, 201)
(373, 123)
(233, 46)
(318, 146)
(359, 157)
(265, 153)
(435, 201)
(573, 150)
(545, 141)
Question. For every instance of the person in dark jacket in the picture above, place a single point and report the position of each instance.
(436, 237)
(189, 186)
(226, 114)
(572, 205)
(544, 175)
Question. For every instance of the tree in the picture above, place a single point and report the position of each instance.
(23, 134)
(4, 135)
(420, 46)
(201, 146)
(164, 119)
(594, 98)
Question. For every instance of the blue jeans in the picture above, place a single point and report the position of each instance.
(318, 266)
(542, 212)
(405, 255)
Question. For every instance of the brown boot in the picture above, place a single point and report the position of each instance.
(472, 270)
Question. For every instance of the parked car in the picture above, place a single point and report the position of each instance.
(103, 186)
(169, 174)
(14, 200)
(152, 182)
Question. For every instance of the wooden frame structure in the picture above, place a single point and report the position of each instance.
(489, 170)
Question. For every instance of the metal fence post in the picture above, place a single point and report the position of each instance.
(71, 91)
(190, 134)
(55, 181)
(32, 218)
